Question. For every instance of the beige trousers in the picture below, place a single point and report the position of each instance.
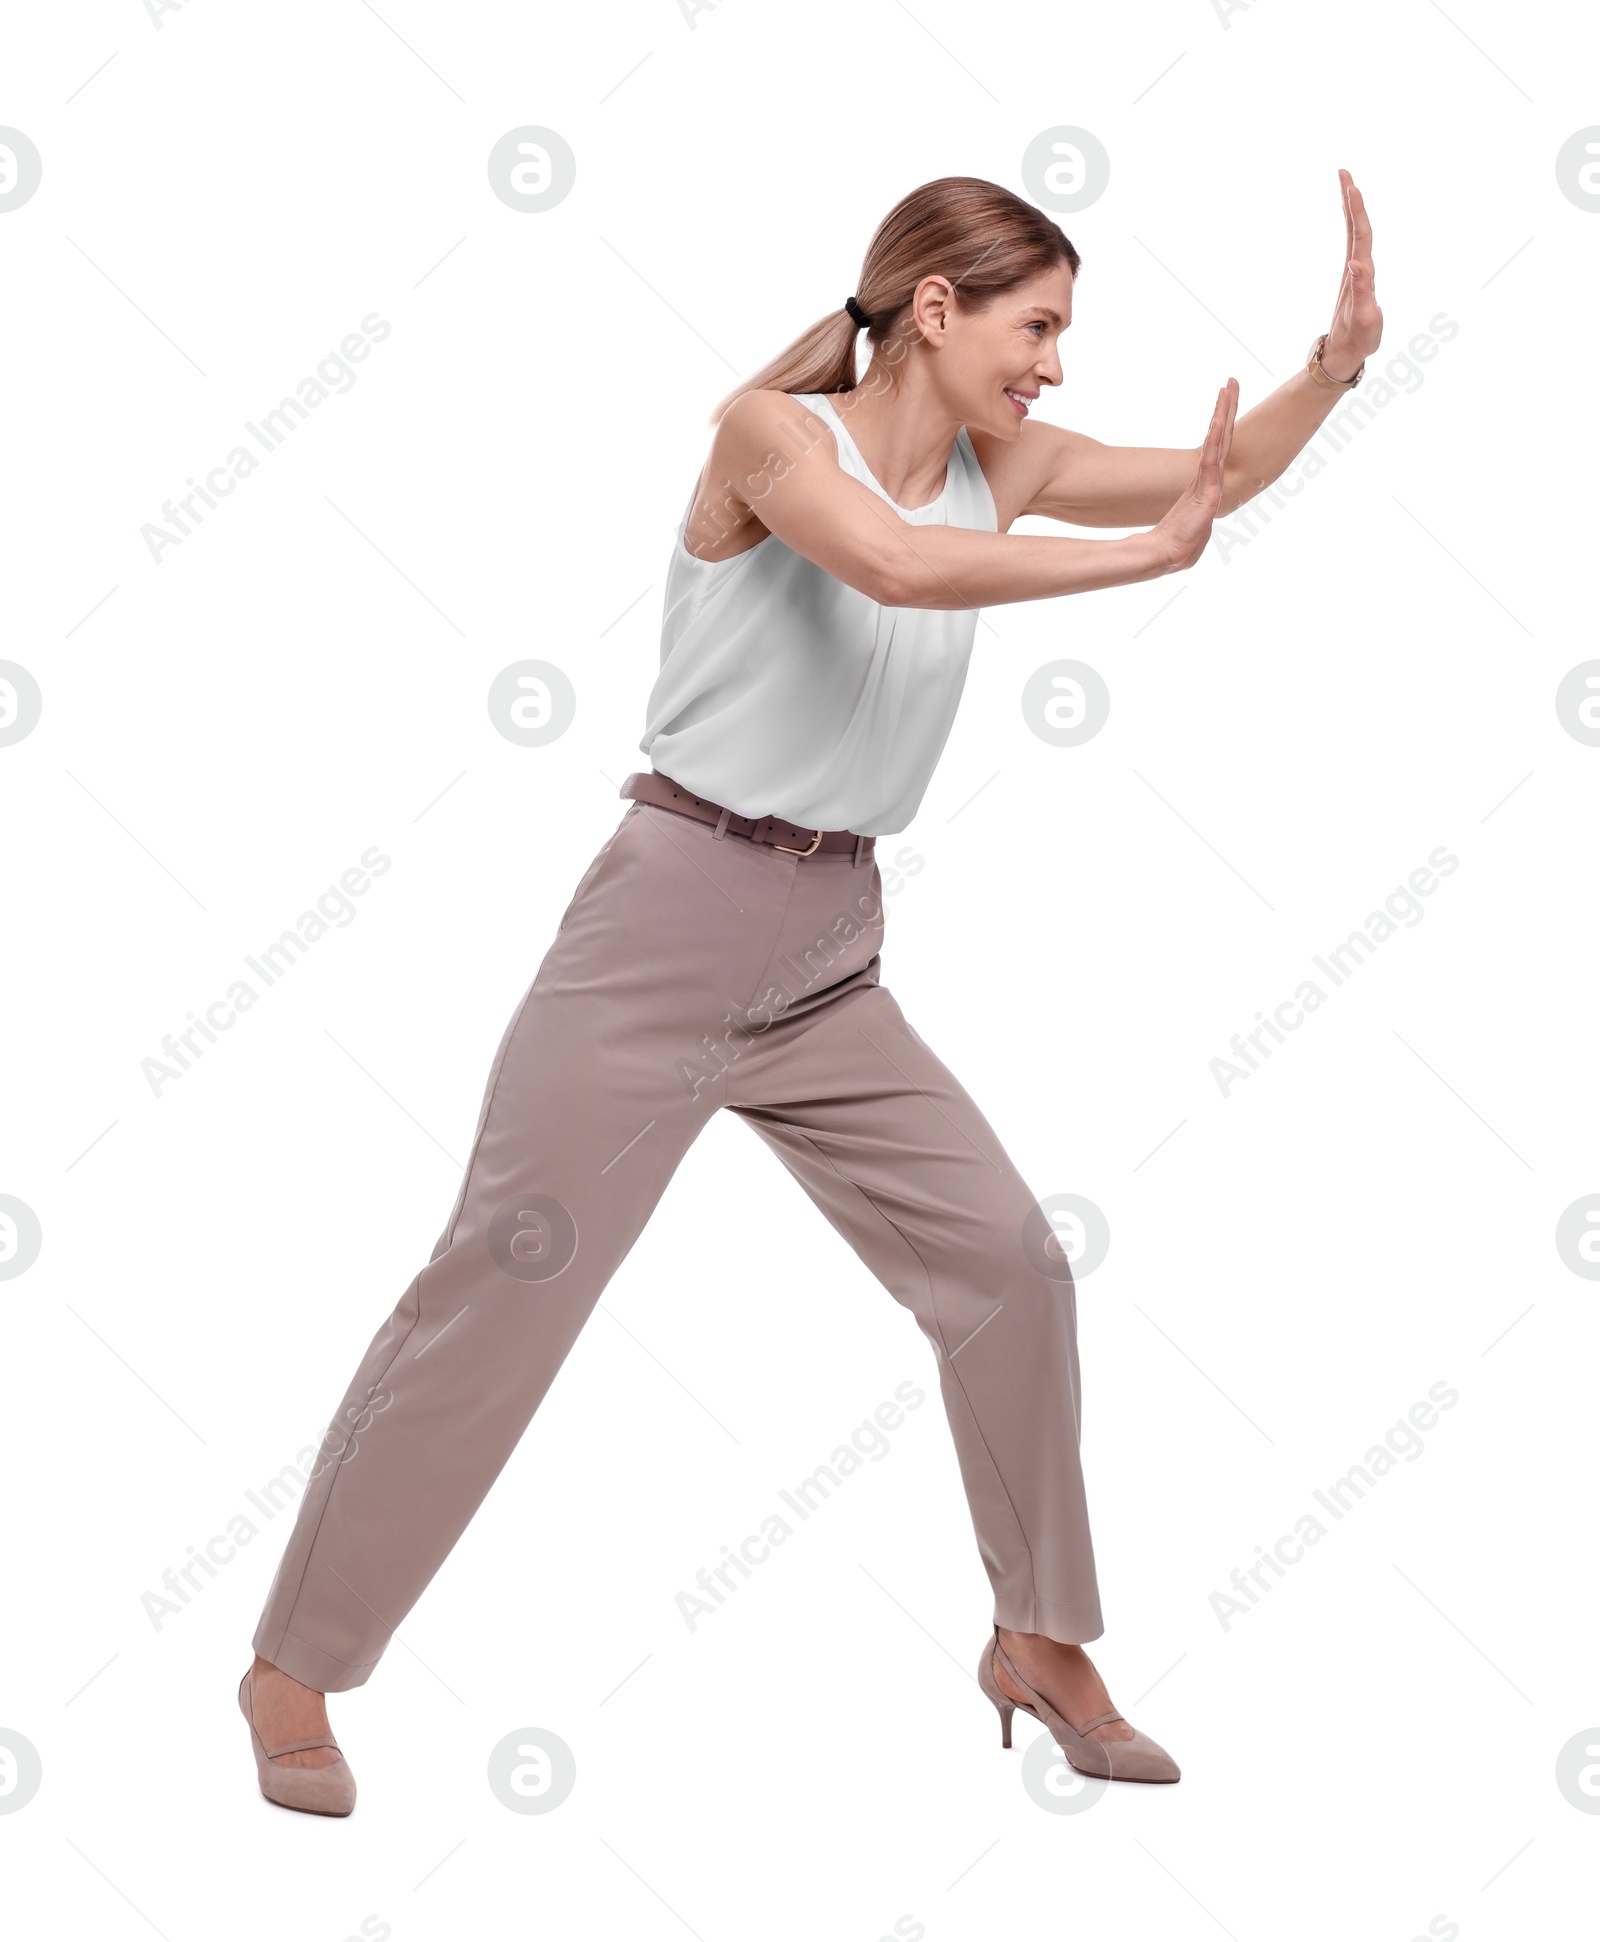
(692, 972)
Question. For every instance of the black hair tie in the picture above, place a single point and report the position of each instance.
(862, 320)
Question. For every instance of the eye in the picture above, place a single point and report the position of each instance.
(1037, 324)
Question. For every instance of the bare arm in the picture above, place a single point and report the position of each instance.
(1065, 475)
(774, 469)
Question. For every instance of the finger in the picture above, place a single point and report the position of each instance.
(1360, 228)
(1363, 226)
(1210, 450)
(1345, 186)
(1209, 440)
(1205, 460)
(1213, 454)
(1227, 426)
(1222, 416)
(1363, 284)
(1203, 463)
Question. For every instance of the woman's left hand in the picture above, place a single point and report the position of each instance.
(1357, 327)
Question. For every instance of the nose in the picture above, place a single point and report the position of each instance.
(1049, 368)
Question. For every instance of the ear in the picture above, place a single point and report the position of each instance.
(932, 304)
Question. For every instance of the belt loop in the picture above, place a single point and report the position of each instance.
(855, 862)
(722, 822)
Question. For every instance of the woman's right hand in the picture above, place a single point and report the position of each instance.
(1181, 535)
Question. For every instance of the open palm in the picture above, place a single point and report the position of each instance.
(1357, 327)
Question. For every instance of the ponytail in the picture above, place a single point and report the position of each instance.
(982, 237)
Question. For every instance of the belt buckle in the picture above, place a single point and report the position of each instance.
(815, 844)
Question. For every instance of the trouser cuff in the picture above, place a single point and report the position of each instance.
(1075, 1624)
(312, 1666)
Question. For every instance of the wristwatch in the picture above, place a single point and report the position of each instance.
(1319, 376)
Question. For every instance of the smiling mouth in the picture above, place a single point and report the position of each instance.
(1020, 400)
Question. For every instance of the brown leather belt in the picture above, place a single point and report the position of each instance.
(650, 785)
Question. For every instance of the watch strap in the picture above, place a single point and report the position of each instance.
(1320, 376)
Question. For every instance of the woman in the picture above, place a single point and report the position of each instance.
(723, 950)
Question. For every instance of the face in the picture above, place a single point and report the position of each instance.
(994, 362)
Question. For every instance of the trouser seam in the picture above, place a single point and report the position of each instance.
(328, 1499)
(483, 1126)
(933, 1305)
(346, 1665)
(416, 1283)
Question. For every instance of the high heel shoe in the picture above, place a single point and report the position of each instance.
(1136, 1759)
(312, 1790)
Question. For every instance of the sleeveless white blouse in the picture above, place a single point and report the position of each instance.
(784, 692)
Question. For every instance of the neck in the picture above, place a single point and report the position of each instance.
(903, 430)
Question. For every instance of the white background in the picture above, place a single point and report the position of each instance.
(1293, 729)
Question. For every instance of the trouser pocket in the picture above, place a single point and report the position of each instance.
(593, 870)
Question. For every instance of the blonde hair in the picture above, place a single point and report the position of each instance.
(982, 237)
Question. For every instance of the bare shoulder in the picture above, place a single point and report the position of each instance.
(761, 427)
(758, 440)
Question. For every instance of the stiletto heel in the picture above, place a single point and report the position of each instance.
(1137, 1759)
(1004, 1706)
